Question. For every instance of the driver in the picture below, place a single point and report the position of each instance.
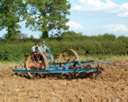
(35, 48)
(43, 48)
(38, 55)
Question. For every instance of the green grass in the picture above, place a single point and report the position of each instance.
(104, 57)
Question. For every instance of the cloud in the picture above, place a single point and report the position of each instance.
(117, 28)
(108, 6)
(74, 25)
(94, 5)
(123, 10)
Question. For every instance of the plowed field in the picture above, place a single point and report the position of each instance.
(110, 86)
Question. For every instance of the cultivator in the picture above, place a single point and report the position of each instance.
(67, 65)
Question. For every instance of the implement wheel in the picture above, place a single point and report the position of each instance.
(37, 62)
(68, 56)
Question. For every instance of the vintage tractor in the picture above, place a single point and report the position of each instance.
(66, 65)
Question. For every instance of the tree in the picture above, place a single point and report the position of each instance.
(10, 15)
(44, 15)
(50, 16)
(108, 36)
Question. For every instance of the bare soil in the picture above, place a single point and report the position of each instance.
(110, 86)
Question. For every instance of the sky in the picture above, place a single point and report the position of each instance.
(94, 17)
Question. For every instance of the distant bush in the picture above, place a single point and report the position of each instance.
(94, 45)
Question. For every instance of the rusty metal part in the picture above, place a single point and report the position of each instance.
(68, 56)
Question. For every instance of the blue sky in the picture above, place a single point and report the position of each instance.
(93, 17)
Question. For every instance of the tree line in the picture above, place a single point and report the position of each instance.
(106, 44)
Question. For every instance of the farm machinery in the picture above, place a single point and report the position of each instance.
(66, 65)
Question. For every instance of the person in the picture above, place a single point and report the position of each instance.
(35, 52)
(38, 56)
(35, 48)
(43, 48)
